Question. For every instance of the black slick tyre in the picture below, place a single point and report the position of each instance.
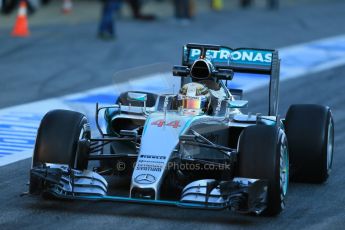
(57, 142)
(263, 154)
(310, 133)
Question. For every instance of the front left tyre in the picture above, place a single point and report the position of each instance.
(59, 140)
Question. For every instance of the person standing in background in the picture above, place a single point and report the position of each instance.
(184, 10)
(245, 3)
(107, 27)
(272, 4)
(136, 7)
(216, 5)
(8, 6)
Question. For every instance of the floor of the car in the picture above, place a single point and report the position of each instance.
(118, 186)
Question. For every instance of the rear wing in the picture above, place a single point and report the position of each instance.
(244, 60)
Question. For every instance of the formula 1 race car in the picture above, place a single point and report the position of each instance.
(193, 149)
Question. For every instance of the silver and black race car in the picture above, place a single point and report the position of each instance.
(193, 149)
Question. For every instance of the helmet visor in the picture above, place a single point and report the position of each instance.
(191, 103)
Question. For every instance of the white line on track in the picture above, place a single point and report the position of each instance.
(18, 124)
(31, 134)
(17, 144)
(21, 129)
(14, 148)
(14, 140)
(18, 137)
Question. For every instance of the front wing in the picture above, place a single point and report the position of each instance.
(240, 194)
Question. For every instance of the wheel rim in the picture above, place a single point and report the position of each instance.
(284, 169)
(81, 136)
(330, 141)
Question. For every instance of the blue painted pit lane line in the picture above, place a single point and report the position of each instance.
(22, 121)
(17, 133)
(4, 152)
(100, 98)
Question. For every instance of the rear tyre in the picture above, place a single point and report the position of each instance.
(310, 133)
(263, 154)
(60, 139)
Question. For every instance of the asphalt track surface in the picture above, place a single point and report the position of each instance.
(308, 206)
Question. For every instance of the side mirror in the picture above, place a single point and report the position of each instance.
(141, 97)
(224, 74)
(129, 133)
(138, 97)
(182, 71)
(237, 104)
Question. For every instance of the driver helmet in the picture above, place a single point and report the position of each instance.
(195, 97)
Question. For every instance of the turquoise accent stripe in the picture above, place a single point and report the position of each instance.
(146, 123)
(188, 124)
(146, 201)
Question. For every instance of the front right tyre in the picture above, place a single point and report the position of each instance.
(263, 154)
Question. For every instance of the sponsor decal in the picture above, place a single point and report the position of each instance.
(145, 179)
(153, 157)
(243, 56)
(152, 163)
(149, 167)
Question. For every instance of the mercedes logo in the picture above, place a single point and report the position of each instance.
(145, 179)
